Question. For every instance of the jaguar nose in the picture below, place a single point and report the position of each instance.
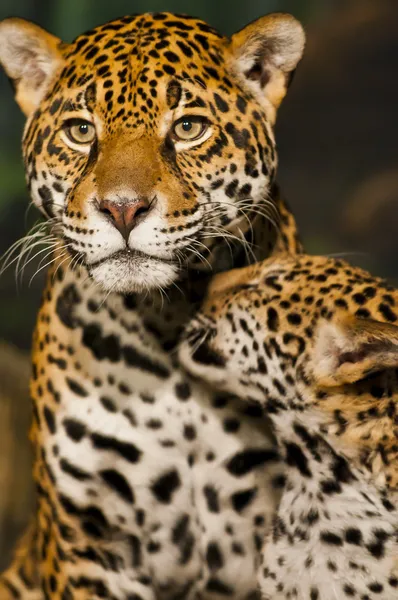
(123, 213)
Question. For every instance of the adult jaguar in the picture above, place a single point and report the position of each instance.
(149, 147)
(315, 341)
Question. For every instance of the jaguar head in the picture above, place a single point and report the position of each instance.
(149, 138)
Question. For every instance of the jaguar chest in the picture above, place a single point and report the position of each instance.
(333, 526)
(158, 478)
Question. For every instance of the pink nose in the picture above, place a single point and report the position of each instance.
(124, 214)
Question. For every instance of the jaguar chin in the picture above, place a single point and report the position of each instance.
(130, 271)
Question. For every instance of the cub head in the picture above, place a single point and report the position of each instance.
(288, 330)
(149, 136)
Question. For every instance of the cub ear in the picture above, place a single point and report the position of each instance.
(30, 56)
(266, 53)
(349, 350)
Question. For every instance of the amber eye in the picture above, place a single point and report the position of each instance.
(80, 131)
(188, 129)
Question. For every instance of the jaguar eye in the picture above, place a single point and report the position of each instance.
(80, 131)
(188, 129)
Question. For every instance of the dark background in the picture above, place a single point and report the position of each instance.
(337, 133)
(337, 130)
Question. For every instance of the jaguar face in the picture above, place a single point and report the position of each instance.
(150, 137)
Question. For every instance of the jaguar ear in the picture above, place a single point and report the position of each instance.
(30, 56)
(266, 53)
(349, 350)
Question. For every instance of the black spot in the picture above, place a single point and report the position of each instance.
(330, 486)
(214, 557)
(341, 470)
(108, 404)
(171, 56)
(359, 298)
(296, 458)
(206, 355)
(50, 420)
(117, 482)
(180, 529)
(279, 482)
(375, 587)
(387, 313)
(47, 200)
(53, 584)
(183, 538)
(349, 590)
(76, 388)
(55, 106)
(154, 423)
(231, 188)
(136, 553)
(126, 450)
(219, 587)
(134, 358)
(247, 460)
(377, 547)
(240, 138)
(231, 424)
(331, 566)
(241, 104)
(221, 104)
(327, 537)
(272, 319)
(73, 470)
(130, 301)
(353, 536)
(211, 496)
(66, 304)
(93, 518)
(185, 49)
(240, 500)
(261, 366)
(182, 390)
(60, 362)
(314, 594)
(102, 347)
(189, 432)
(203, 41)
(165, 486)
(167, 68)
(74, 429)
(294, 319)
(96, 586)
(212, 72)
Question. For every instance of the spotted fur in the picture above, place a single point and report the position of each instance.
(149, 485)
(314, 341)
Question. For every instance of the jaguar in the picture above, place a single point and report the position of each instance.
(313, 341)
(149, 150)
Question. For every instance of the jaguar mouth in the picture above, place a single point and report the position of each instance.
(129, 256)
(128, 271)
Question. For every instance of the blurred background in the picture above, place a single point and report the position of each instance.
(337, 133)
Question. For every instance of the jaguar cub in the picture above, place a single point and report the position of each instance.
(315, 342)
